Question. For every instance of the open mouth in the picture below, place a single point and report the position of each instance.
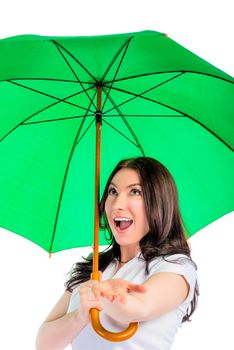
(123, 224)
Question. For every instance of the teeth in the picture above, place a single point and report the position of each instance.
(122, 219)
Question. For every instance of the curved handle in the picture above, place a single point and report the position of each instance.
(111, 336)
(100, 330)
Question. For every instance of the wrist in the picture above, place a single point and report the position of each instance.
(79, 320)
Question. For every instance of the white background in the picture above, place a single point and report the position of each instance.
(30, 281)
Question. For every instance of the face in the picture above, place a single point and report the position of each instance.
(125, 201)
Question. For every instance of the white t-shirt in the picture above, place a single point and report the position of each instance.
(156, 334)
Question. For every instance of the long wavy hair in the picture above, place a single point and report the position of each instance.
(166, 234)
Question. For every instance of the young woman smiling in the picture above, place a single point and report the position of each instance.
(148, 275)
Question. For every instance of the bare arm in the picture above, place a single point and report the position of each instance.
(60, 328)
(163, 292)
(158, 295)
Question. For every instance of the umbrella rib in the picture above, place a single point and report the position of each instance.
(127, 124)
(57, 102)
(51, 96)
(120, 133)
(182, 114)
(76, 76)
(57, 119)
(107, 116)
(78, 141)
(117, 70)
(144, 92)
(38, 112)
(49, 79)
(209, 130)
(171, 71)
(65, 175)
(146, 115)
(76, 59)
(115, 57)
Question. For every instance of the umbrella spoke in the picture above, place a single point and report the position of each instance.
(50, 79)
(127, 124)
(127, 138)
(146, 115)
(144, 92)
(54, 97)
(126, 46)
(57, 119)
(55, 103)
(76, 76)
(165, 105)
(66, 173)
(76, 59)
(78, 141)
(170, 71)
(114, 59)
(24, 122)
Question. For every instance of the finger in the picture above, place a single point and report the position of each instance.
(96, 291)
(137, 288)
(121, 298)
(89, 297)
(108, 295)
(124, 298)
(88, 284)
(116, 298)
(100, 275)
(141, 288)
(95, 305)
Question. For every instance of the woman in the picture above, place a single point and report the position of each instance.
(147, 272)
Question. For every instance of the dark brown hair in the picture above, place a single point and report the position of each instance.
(166, 234)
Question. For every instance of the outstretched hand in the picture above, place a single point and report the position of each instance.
(116, 289)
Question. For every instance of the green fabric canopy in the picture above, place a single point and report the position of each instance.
(158, 100)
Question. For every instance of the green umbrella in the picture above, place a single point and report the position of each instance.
(152, 97)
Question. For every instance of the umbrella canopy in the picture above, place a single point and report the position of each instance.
(158, 100)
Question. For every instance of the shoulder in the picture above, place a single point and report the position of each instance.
(171, 282)
(171, 262)
(179, 264)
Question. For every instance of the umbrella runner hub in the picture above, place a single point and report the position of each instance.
(98, 115)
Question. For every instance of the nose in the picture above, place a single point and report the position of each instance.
(119, 202)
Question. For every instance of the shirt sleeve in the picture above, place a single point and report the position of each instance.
(179, 264)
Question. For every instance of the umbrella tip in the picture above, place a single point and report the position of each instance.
(165, 34)
(50, 254)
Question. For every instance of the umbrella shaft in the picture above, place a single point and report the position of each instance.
(95, 274)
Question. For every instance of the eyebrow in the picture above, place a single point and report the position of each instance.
(136, 184)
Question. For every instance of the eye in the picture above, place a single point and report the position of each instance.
(136, 191)
(111, 191)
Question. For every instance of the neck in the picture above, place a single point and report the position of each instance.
(123, 262)
(126, 256)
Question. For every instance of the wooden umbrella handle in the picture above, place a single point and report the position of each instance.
(104, 333)
(111, 336)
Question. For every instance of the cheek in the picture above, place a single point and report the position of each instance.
(144, 216)
(107, 207)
